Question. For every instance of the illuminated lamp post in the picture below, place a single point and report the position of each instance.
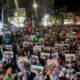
(35, 7)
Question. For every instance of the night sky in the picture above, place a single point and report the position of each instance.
(72, 5)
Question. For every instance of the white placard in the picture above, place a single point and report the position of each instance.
(45, 54)
(22, 59)
(9, 47)
(61, 45)
(34, 56)
(55, 55)
(37, 68)
(27, 43)
(8, 54)
(52, 61)
(70, 57)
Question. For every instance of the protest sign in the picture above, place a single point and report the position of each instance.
(25, 43)
(37, 68)
(45, 55)
(9, 47)
(22, 59)
(55, 55)
(61, 45)
(8, 54)
(70, 57)
(47, 48)
(37, 48)
(52, 62)
(35, 57)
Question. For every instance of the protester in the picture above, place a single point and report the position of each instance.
(47, 59)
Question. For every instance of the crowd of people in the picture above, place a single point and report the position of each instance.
(53, 57)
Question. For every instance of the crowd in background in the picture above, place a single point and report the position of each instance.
(54, 57)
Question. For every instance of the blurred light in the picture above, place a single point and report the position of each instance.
(18, 21)
(1, 24)
(44, 23)
(16, 4)
(9, 32)
(68, 22)
(46, 20)
(46, 16)
(35, 5)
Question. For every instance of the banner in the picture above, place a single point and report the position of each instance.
(78, 34)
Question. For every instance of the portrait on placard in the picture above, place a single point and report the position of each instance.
(44, 55)
(36, 48)
(8, 54)
(70, 57)
(8, 47)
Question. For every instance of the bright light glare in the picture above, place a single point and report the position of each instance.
(1, 24)
(18, 22)
(35, 5)
(46, 16)
(46, 20)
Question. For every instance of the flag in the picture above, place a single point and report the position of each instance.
(29, 28)
(78, 34)
(37, 37)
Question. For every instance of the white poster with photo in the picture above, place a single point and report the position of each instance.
(35, 57)
(25, 43)
(47, 48)
(61, 45)
(52, 62)
(55, 55)
(70, 57)
(8, 47)
(22, 59)
(37, 48)
(8, 54)
(41, 39)
(37, 68)
(45, 54)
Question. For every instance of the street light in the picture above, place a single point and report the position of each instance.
(35, 7)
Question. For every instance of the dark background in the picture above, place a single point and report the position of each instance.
(71, 5)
